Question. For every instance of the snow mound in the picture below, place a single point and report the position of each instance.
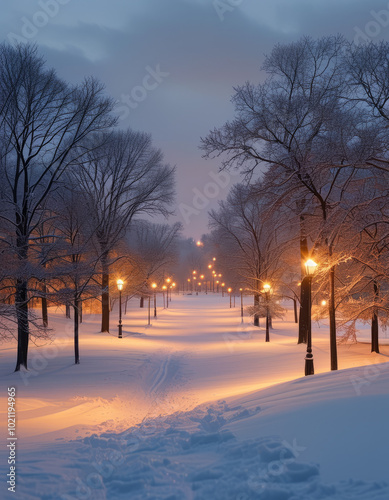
(191, 456)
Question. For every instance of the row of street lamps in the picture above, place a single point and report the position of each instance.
(165, 288)
(310, 267)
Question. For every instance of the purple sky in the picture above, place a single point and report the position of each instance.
(172, 64)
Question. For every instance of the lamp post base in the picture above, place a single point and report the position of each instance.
(309, 370)
(120, 335)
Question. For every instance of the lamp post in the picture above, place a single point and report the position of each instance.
(229, 290)
(241, 304)
(223, 285)
(310, 267)
(120, 284)
(154, 286)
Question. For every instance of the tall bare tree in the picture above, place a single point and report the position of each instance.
(42, 120)
(298, 125)
(124, 177)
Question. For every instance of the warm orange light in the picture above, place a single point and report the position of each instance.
(173, 285)
(120, 284)
(164, 287)
(241, 289)
(217, 282)
(310, 267)
(220, 275)
(199, 243)
(189, 279)
(214, 259)
(168, 280)
(229, 290)
(154, 285)
(266, 287)
(323, 302)
(223, 284)
(209, 266)
(194, 272)
(202, 276)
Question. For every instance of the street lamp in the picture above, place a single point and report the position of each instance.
(266, 291)
(168, 281)
(154, 286)
(223, 285)
(120, 284)
(229, 290)
(310, 267)
(241, 303)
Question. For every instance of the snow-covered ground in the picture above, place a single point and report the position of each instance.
(197, 406)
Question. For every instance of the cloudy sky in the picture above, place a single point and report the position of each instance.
(172, 64)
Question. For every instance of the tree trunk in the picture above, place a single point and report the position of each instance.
(304, 291)
(256, 305)
(21, 306)
(374, 324)
(105, 294)
(76, 329)
(333, 347)
(45, 316)
(21, 298)
(142, 301)
(295, 311)
(67, 310)
(80, 309)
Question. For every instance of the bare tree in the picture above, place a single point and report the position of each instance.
(252, 233)
(154, 246)
(42, 121)
(75, 262)
(124, 177)
(367, 68)
(298, 125)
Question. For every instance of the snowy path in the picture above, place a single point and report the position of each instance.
(125, 423)
(196, 351)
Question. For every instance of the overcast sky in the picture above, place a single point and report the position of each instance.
(172, 64)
